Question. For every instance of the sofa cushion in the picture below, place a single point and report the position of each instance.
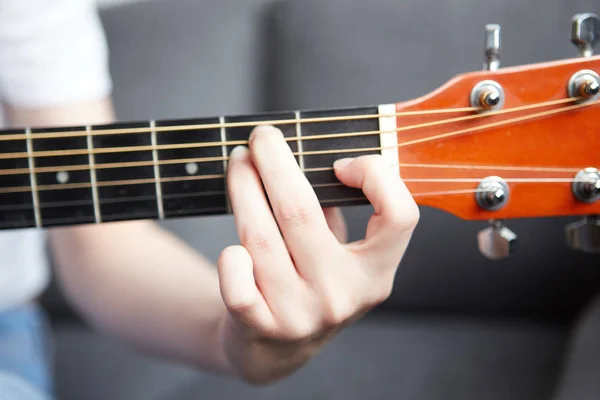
(579, 376)
(339, 53)
(381, 357)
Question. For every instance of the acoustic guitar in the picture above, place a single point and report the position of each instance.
(494, 144)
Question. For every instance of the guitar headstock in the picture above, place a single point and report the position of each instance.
(506, 143)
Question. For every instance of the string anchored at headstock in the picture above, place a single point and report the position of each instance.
(528, 147)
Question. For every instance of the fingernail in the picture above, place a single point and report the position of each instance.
(238, 153)
(342, 163)
(264, 129)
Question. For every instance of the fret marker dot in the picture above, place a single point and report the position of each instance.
(191, 168)
(62, 177)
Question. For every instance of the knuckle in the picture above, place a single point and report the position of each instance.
(256, 241)
(298, 332)
(295, 214)
(338, 311)
(240, 307)
(371, 163)
(380, 295)
(414, 216)
(405, 219)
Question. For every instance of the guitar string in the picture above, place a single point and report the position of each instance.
(158, 129)
(74, 203)
(497, 124)
(124, 182)
(68, 152)
(113, 183)
(123, 149)
(178, 196)
(85, 167)
(488, 167)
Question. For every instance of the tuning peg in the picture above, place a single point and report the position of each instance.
(496, 241)
(584, 235)
(585, 32)
(586, 186)
(492, 47)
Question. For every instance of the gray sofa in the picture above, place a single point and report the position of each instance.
(457, 325)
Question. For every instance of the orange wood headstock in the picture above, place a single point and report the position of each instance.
(537, 141)
(511, 143)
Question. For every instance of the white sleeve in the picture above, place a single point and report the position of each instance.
(52, 52)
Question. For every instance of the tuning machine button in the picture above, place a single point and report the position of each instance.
(584, 85)
(487, 95)
(492, 193)
(586, 185)
(585, 32)
(584, 235)
(496, 241)
(492, 47)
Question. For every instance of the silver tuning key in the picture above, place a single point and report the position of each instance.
(492, 47)
(584, 235)
(585, 32)
(496, 241)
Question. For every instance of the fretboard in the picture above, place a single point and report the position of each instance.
(167, 169)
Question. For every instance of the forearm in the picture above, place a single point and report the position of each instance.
(90, 112)
(277, 298)
(143, 285)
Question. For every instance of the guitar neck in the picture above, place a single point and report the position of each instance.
(170, 168)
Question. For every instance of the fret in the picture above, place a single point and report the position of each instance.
(159, 201)
(192, 197)
(243, 132)
(86, 182)
(90, 144)
(299, 142)
(60, 204)
(339, 193)
(33, 182)
(327, 187)
(17, 209)
(225, 160)
(132, 201)
(389, 134)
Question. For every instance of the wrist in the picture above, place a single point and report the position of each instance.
(261, 361)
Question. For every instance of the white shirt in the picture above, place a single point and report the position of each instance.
(52, 52)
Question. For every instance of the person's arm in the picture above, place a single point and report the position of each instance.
(276, 299)
(139, 283)
(134, 280)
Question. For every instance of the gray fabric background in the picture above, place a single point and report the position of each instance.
(457, 326)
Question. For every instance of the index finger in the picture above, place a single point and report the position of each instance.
(293, 200)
